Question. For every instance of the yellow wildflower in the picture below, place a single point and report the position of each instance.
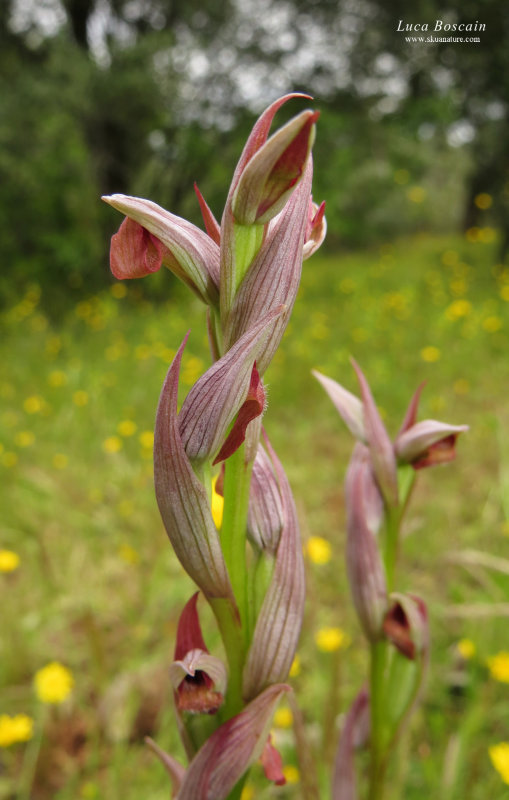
(295, 668)
(127, 427)
(499, 666)
(248, 793)
(57, 378)
(80, 398)
(15, 729)
(283, 718)
(466, 649)
(461, 386)
(330, 639)
(112, 444)
(53, 683)
(146, 439)
(217, 505)
(118, 290)
(291, 773)
(458, 309)
(24, 438)
(9, 561)
(416, 194)
(504, 293)
(128, 554)
(430, 354)
(9, 459)
(318, 550)
(483, 201)
(60, 461)
(33, 404)
(499, 755)
(492, 324)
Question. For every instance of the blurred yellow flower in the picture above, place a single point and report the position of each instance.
(15, 729)
(318, 550)
(9, 561)
(9, 459)
(24, 438)
(118, 290)
(458, 309)
(295, 668)
(430, 354)
(248, 793)
(401, 176)
(128, 554)
(291, 773)
(499, 666)
(146, 439)
(492, 324)
(416, 194)
(33, 404)
(217, 505)
(466, 649)
(80, 398)
(283, 718)
(112, 444)
(57, 378)
(53, 683)
(330, 639)
(461, 386)
(483, 201)
(499, 755)
(60, 461)
(127, 427)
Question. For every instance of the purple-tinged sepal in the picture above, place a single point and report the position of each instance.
(379, 443)
(365, 570)
(182, 499)
(216, 399)
(173, 767)
(272, 173)
(428, 443)
(164, 239)
(354, 735)
(316, 229)
(273, 276)
(231, 749)
(346, 404)
(279, 621)
(265, 517)
(199, 679)
(211, 224)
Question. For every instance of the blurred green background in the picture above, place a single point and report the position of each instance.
(145, 97)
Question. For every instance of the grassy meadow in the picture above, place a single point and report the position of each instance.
(98, 589)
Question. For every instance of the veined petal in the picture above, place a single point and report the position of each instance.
(252, 407)
(265, 517)
(380, 446)
(189, 252)
(316, 229)
(173, 767)
(354, 734)
(182, 499)
(279, 622)
(272, 173)
(259, 135)
(348, 406)
(231, 749)
(274, 275)
(216, 398)
(366, 574)
(428, 443)
(211, 224)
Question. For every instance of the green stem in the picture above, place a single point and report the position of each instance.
(392, 521)
(237, 480)
(31, 758)
(377, 696)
